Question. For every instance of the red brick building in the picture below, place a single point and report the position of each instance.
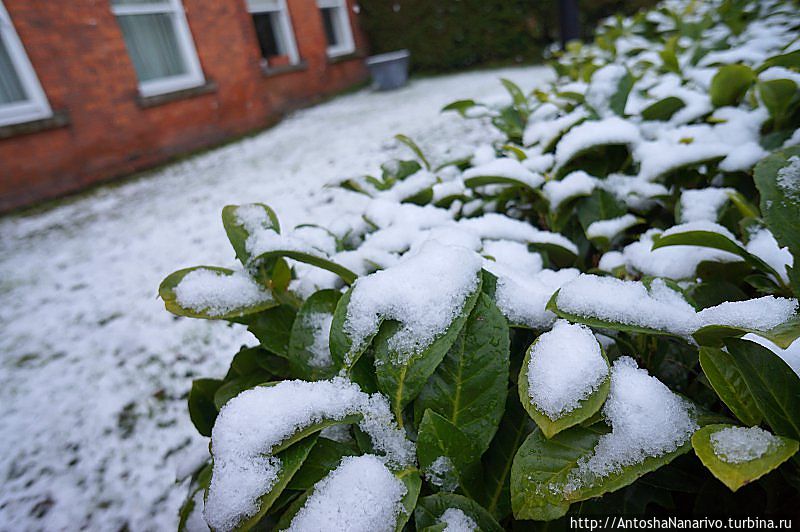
(94, 89)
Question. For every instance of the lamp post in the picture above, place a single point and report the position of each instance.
(568, 21)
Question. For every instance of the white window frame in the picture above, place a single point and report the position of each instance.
(194, 76)
(278, 6)
(347, 46)
(36, 106)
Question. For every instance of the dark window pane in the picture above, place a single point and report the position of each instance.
(266, 25)
(329, 21)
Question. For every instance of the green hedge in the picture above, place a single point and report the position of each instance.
(453, 34)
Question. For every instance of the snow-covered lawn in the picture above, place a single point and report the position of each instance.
(95, 372)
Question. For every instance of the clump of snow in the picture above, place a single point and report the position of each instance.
(505, 167)
(361, 495)
(513, 255)
(217, 293)
(566, 366)
(457, 521)
(737, 445)
(544, 132)
(647, 420)
(674, 262)
(660, 157)
(575, 184)
(661, 308)
(763, 245)
(424, 292)
(790, 355)
(628, 302)
(523, 298)
(320, 349)
(494, 226)
(253, 423)
(262, 237)
(610, 228)
(761, 314)
(703, 204)
(613, 130)
(789, 177)
(611, 260)
(602, 87)
(701, 225)
(441, 473)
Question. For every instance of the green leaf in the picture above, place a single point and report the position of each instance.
(514, 428)
(669, 56)
(726, 379)
(663, 109)
(202, 410)
(323, 458)
(469, 387)
(730, 83)
(773, 384)
(779, 204)
(200, 482)
(790, 60)
(587, 408)
(237, 234)
(542, 465)
(777, 95)
(401, 376)
(314, 260)
(736, 475)
(430, 509)
(439, 439)
(166, 292)
(306, 355)
(410, 477)
(517, 96)
(620, 96)
(273, 328)
(291, 460)
(414, 148)
(461, 106)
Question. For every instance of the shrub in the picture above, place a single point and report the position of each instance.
(450, 35)
(593, 313)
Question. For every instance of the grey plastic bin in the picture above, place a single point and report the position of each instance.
(389, 71)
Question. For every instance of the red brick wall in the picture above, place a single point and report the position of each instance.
(80, 58)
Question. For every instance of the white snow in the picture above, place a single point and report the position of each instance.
(628, 302)
(647, 420)
(320, 324)
(512, 255)
(217, 293)
(498, 227)
(88, 270)
(703, 204)
(506, 167)
(424, 292)
(602, 87)
(610, 228)
(661, 308)
(573, 185)
(737, 445)
(566, 366)
(763, 245)
(789, 177)
(523, 298)
(457, 521)
(254, 422)
(361, 495)
(613, 130)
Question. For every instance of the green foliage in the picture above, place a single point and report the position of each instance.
(463, 398)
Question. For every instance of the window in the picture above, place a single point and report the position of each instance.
(274, 31)
(160, 45)
(336, 21)
(21, 97)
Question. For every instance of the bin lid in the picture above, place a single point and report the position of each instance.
(389, 56)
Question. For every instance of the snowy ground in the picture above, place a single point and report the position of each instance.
(94, 372)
